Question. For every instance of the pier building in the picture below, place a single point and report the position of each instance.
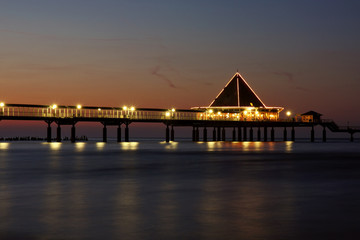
(237, 99)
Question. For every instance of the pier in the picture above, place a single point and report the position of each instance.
(236, 107)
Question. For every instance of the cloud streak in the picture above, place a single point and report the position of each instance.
(156, 73)
(289, 76)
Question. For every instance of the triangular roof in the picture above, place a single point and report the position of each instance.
(237, 93)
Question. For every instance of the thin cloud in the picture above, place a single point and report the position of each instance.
(289, 76)
(156, 73)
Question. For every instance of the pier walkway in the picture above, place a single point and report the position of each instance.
(243, 125)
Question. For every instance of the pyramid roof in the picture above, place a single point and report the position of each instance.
(237, 93)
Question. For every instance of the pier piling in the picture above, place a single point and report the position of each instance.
(48, 135)
(245, 134)
(265, 134)
(205, 135)
(285, 134)
(172, 133)
(167, 133)
(259, 134)
(293, 134)
(234, 134)
(214, 134)
(239, 134)
(104, 133)
(58, 133)
(72, 137)
(251, 134)
(126, 132)
(312, 138)
(272, 134)
(119, 133)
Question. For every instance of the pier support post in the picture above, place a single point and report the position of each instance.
(265, 134)
(167, 133)
(223, 134)
(48, 135)
(205, 135)
(239, 134)
(214, 134)
(285, 134)
(251, 134)
(293, 134)
(218, 134)
(272, 133)
(351, 136)
(197, 134)
(104, 133)
(245, 134)
(119, 133)
(72, 138)
(324, 134)
(234, 135)
(259, 134)
(126, 132)
(193, 134)
(312, 134)
(58, 133)
(172, 133)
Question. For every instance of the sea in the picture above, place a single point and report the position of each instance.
(150, 189)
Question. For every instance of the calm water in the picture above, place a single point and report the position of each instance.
(185, 190)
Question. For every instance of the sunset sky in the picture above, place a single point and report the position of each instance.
(302, 55)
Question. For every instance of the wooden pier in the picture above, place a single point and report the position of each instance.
(206, 125)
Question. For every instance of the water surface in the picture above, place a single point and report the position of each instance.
(180, 190)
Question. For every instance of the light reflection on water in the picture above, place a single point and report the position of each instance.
(212, 190)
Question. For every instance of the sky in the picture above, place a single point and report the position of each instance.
(300, 55)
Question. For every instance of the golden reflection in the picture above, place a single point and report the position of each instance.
(79, 146)
(289, 146)
(172, 146)
(212, 146)
(55, 145)
(100, 145)
(4, 146)
(129, 145)
(246, 146)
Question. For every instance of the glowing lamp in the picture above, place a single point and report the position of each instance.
(173, 109)
(132, 109)
(211, 111)
(54, 106)
(99, 109)
(245, 112)
(124, 108)
(167, 114)
(2, 104)
(78, 106)
(288, 113)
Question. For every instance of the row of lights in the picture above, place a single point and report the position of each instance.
(168, 113)
(54, 106)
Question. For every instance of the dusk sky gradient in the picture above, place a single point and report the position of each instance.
(302, 55)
